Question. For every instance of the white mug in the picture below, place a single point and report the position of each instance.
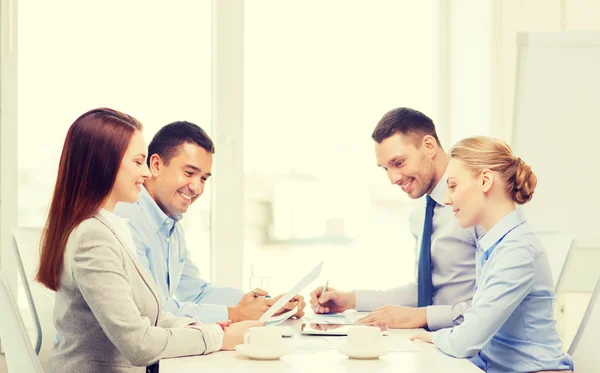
(264, 336)
(365, 337)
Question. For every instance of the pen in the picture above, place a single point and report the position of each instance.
(322, 292)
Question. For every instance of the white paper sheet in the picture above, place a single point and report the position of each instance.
(310, 277)
(334, 318)
(348, 317)
(276, 320)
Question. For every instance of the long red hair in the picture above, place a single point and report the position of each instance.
(90, 159)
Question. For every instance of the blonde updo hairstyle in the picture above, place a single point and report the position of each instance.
(481, 152)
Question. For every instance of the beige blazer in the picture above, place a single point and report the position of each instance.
(108, 312)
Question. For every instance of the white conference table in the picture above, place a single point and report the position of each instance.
(426, 359)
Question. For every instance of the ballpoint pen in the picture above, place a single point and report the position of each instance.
(322, 292)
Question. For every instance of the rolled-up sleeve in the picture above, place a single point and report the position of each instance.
(368, 300)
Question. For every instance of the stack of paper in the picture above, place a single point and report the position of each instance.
(268, 316)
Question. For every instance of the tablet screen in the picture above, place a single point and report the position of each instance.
(332, 329)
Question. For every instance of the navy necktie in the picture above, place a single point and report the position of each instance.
(424, 284)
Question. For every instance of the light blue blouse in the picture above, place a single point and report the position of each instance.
(510, 326)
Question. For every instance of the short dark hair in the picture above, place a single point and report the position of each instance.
(167, 140)
(408, 122)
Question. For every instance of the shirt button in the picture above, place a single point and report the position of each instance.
(168, 239)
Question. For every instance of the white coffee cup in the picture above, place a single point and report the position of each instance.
(264, 337)
(365, 337)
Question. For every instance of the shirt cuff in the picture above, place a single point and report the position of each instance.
(435, 337)
(221, 313)
(440, 340)
(212, 334)
(366, 300)
(207, 313)
(439, 317)
(192, 322)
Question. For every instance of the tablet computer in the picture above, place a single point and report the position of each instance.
(333, 329)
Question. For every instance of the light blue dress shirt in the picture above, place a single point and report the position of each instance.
(510, 326)
(160, 244)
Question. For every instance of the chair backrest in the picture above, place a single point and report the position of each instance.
(26, 243)
(583, 349)
(558, 247)
(20, 356)
(28, 295)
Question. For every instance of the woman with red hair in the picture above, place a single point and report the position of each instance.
(107, 310)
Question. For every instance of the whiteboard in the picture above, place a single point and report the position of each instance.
(556, 130)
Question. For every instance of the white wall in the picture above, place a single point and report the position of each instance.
(470, 68)
(227, 124)
(517, 16)
(478, 40)
(462, 68)
(8, 136)
(481, 55)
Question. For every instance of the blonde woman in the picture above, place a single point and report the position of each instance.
(510, 327)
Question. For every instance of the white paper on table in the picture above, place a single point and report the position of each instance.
(347, 317)
(276, 320)
(310, 277)
(333, 318)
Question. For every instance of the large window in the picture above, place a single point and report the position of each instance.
(318, 77)
(147, 59)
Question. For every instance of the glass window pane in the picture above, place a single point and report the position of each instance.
(318, 77)
(144, 58)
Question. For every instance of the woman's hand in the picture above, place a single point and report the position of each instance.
(234, 333)
(425, 337)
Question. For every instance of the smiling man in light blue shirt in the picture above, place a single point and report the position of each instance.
(180, 161)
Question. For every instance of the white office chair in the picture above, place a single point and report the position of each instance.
(559, 247)
(584, 347)
(20, 356)
(26, 243)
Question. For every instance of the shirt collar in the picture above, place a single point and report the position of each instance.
(113, 218)
(501, 229)
(155, 213)
(438, 194)
(120, 226)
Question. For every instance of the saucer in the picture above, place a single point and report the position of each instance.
(363, 353)
(261, 353)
